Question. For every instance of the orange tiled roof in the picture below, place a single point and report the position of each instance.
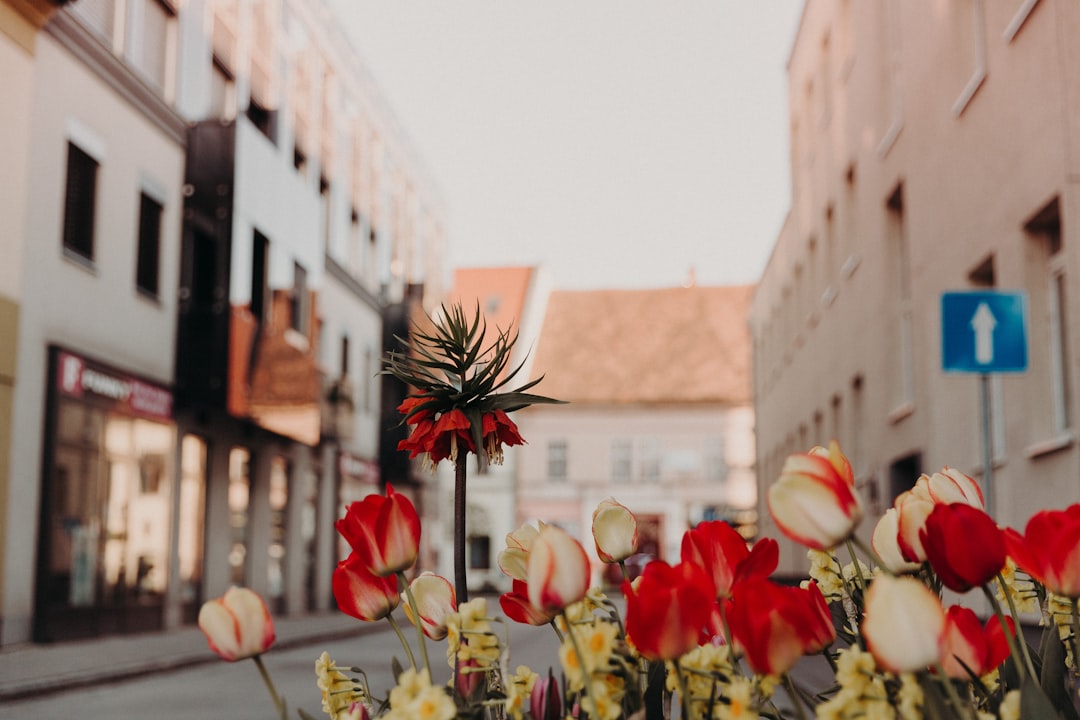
(678, 345)
(499, 290)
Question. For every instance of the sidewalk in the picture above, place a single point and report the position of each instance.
(29, 669)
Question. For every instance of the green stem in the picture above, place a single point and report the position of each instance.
(416, 619)
(961, 707)
(1016, 646)
(855, 564)
(1016, 623)
(461, 586)
(401, 637)
(1075, 639)
(796, 697)
(684, 690)
(279, 702)
(558, 632)
(871, 553)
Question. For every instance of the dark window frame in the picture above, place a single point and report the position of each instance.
(148, 249)
(80, 203)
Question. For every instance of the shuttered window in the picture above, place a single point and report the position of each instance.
(79, 201)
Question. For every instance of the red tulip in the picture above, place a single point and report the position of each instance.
(237, 625)
(516, 606)
(1049, 549)
(384, 531)
(775, 625)
(362, 594)
(814, 501)
(903, 624)
(667, 608)
(558, 570)
(964, 546)
(721, 551)
(967, 642)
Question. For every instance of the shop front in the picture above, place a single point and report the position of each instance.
(104, 542)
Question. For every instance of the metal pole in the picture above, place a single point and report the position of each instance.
(988, 450)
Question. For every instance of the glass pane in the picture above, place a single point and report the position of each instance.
(239, 490)
(279, 499)
(190, 530)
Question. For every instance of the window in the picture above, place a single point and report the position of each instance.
(149, 250)
(190, 529)
(239, 494)
(299, 303)
(259, 280)
(344, 356)
(480, 552)
(899, 255)
(1045, 229)
(79, 200)
(557, 459)
(903, 472)
(621, 460)
(150, 50)
(222, 91)
(264, 120)
(98, 15)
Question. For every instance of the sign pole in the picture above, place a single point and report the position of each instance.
(988, 450)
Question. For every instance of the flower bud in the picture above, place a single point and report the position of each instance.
(237, 625)
(361, 593)
(435, 599)
(384, 531)
(558, 570)
(814, 501)
(967, 642)
(885, 544)
(514, 560)
(545, 702)
(903, 625)
(615, 531)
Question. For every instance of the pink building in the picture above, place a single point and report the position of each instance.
(659, 412)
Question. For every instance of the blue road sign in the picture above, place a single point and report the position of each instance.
(984, 331)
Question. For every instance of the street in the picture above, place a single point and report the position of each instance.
(234, 690)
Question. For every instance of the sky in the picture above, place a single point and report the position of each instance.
(614, 143)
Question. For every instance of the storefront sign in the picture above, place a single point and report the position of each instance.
(79, 377)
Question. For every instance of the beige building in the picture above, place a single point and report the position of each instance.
(933, 149)
(658, 413)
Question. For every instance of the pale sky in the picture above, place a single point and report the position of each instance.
(616, 143)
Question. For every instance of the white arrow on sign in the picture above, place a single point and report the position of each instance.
(983, 322)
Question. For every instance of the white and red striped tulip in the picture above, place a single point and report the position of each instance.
(435, 600)
(904, 624)
(237, 625)
(886, 544)
(558, 570)
(814, 501)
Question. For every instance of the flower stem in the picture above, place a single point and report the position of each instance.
(557, 631)
(1075, 612)
(871, 553)
(416, 620)
(1016, 622)
(684, 690)
(279, 702)
(1017, 648)
(401, 637)
(855, 565)
(461, 587)
(961, 707)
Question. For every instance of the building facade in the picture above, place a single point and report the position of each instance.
(931, 151)
(219, 209)
(658, 414)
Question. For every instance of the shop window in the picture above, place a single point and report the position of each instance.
(190, 531)
(279, 501)
(239, 496)
(149, 248)
(79, 199)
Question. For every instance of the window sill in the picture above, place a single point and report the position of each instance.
(147, 296)
(80, 260)
(900, 412)
(1049, 447)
